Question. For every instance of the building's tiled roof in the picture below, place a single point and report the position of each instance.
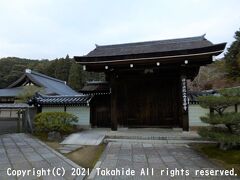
(96, 87)
(10, 92)
(13, 105)
(150, 46)
(81, 100)
(52, 86)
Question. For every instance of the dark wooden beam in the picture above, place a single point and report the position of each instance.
(114, 112)
(166, 64)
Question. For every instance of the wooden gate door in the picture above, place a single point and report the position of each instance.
(152, 102)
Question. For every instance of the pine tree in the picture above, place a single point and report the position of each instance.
(62, 68)
(232, 58)
(75, 78)
(228, 133)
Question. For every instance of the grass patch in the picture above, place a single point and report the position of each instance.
(41, 135)
(53, 144)
(228, 159)
(85, 157)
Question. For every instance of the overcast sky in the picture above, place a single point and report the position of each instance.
(48, 29)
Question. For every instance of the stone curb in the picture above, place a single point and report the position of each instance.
(94, 170)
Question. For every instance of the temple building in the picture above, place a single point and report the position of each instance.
(49, 85)
(148, 80)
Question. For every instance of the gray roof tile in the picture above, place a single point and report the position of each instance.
(52, 85)
(13, 106)
(40, 99)
(150, 46)
(10, 92)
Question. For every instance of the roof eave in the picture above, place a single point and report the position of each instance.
(21, 80)
(211, 50)
(17, 81)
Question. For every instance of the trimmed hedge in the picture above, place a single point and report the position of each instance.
(54, 121)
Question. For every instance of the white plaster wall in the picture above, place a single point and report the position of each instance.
(83, 114)
(52, 109)
(195, 112)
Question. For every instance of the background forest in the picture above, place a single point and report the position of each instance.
(224, 72)
(66, 69)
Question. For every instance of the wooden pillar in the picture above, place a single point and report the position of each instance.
(114, 122)
(211, 111)
(185, 116)
(28, 120)
(92, 117)
(39, 109)
(236, 108)
(19, 123)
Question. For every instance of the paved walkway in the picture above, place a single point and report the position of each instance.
(161, 157)
(23, 152)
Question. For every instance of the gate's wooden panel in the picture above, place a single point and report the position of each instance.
(148, 101)
(100, 111)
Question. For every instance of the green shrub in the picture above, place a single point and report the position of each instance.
(54, 121)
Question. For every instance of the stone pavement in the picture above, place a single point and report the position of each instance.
(24, 152)
(161, 157)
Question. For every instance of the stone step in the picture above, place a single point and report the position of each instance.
(65, 149)
(87, 137)
(155, 137)
(166, 141)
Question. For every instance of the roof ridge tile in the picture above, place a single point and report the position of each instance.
(186, 39)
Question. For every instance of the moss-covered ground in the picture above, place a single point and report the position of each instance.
(228, 159)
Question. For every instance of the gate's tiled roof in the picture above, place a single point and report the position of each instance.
(150, 46)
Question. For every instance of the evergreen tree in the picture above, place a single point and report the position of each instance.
(225, 126)
(11, 68)
(75, 78)
(232, 58)
(62, 68)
